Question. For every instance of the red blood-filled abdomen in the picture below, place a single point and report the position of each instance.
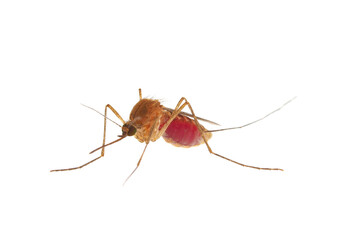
(183, 132)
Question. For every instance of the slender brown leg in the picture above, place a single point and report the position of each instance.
(176, 112)
(102, 151)
(141, 157)
(147, 143)
(140, 95)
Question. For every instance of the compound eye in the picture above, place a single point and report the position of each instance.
(131, 130)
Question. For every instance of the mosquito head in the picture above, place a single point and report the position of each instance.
(128, 129)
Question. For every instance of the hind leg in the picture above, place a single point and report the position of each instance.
(179, 107)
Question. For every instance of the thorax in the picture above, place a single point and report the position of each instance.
(144, 115)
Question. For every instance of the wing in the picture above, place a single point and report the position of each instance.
(191, 116)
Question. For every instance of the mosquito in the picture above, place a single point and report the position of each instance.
(149, 120)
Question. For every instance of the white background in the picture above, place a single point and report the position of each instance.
(235, 61)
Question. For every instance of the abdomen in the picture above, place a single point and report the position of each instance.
(183, 132)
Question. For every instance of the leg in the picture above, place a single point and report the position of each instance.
(141, 157)
(101, 114)
(102, 152)
(140, 95)
(175, 113)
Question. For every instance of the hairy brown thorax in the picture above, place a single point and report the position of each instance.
(143, 115)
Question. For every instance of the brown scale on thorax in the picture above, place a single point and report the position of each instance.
(144, 114)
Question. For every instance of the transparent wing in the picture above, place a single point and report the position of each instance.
(191, 116)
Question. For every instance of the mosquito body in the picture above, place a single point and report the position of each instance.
(149, 120)
(152, 121)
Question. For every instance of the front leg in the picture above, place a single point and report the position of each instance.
(108, 106)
